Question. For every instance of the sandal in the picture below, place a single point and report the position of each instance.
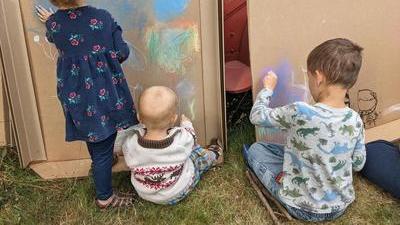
(117, 201)
(215, 147)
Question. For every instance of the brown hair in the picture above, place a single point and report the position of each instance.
(338, 59)
(65, 3)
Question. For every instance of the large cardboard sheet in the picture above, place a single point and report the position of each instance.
(282, 33)
(176, 60)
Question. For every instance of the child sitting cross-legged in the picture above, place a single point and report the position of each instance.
(165, 161)
(311, 175)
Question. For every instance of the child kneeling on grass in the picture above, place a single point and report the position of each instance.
(312, 174)
(165, 161)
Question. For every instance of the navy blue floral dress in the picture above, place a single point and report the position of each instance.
(90, 82)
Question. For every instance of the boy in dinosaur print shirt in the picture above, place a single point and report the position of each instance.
(312, 174)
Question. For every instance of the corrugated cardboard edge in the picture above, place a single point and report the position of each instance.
(212, 76)
(19, 82)
(4, 111)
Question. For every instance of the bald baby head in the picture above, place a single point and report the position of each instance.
(157, 107)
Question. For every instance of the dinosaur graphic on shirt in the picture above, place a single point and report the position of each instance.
(336, 181)
(300, 180)
(316, 159)
(304, 132)
(330, 129)
(358, 161)
(339, 165)
(282, 121)
(309, 113)
(301, 122)
(299, 145)
(336, 150)
(347, 129)
(347, 116)
(296, 162)
(318, 180)
(295, 193)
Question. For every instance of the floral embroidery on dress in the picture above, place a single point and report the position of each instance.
(74, 14)
(92, 137)
(96, 24)
(90, 111)
(117, 78)
(120, 104)
(75, 39)
(88, 83)
(100, 67)
(103, 94)
(55, 27)
(104, 120)
(74, 98)
(97, 49)
(75, 70)
(114, 54)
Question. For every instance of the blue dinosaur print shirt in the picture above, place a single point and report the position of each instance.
(91, 85)
(324, 145)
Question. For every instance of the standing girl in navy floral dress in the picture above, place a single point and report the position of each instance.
(91, 85)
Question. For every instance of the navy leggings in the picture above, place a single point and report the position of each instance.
(102, 159)
(383, 166)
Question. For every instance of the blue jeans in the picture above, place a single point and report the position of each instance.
(383, 166)
(203, 160)
(266, 161)
(102, 159)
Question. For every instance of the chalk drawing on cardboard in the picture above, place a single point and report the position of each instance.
(286, 92)
(40, 40)
(172, 48)
(137, 59)
(186, 92)
(367, 102)
(167, 10)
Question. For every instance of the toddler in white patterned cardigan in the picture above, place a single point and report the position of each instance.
(165, 161)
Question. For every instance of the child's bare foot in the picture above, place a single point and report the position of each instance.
(115, 201)
(216, 147)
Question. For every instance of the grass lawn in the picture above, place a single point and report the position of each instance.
(224, 196)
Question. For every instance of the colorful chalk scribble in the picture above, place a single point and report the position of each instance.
(187, 99)
(172, 48)
(48, 48)
(166, 10)
(286, 92)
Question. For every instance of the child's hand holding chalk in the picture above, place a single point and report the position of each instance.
(270, 81)
(43, 13)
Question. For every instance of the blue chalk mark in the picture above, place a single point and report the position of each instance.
(167, 10)
(286, 91)
(185, 89)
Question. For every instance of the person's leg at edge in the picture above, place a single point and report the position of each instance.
(102, 158)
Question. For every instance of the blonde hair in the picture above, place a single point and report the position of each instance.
(65, 3)
(158, 107)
